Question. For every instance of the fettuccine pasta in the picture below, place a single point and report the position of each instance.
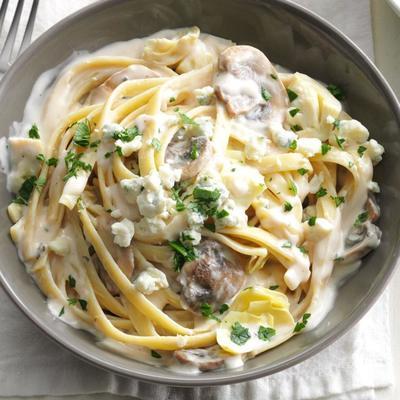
(185, 201)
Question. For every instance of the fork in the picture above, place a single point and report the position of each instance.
(6, 55)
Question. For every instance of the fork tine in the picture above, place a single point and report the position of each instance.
(29, 28)
(6, 53)
(3, 10)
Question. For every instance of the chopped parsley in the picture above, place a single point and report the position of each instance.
(71, 281)
(62, 311)
(294, 111)
(287, 206)
(210, 226)
(239, 334)
(274, 287)
(26, 190)
(273, 76)
(293, 145)
(287, 245)
(336, 91)
(156, 144)
(302, 324)
(194, 151)
(338, 259)
(95, 144)
(312, 221)
(221, 214)
(183, 253)
(302, 171)
(155, 354)
(338, 200)
(336, 124)
(321, 192)
(206, 194)
(293, 188)
(82, 134)
(265, 333)
(34, 132)
(73, 302)
(265, 94)
(296, 128)
(340, 142)
(172, 99)
(292, 95)
(302, 249)
(325, 148)
(126, 135)
(207, 311)
(185, 120)
(108, 154)
(361, 150)
(179, 204)
(73, 163)
(50, 162)
(361, 218)
(224, 307)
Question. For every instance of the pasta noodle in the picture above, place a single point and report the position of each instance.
(187, 198)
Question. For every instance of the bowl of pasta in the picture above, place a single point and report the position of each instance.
(195, 195)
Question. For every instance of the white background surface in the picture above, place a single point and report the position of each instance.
(386, 30)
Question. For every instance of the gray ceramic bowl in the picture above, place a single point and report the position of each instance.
(290, 36)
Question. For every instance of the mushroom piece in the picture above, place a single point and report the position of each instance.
(204, 359)
(249, 84)
(214, 277)
(361, 240)
(135, 71)
(122, 255)
(372, 207)
(189, 153)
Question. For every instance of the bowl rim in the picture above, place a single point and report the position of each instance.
(374, 75)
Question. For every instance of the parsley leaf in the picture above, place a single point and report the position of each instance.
(265, 94)
(83, 304)
(292, 95)
(224, 307)
(321, 192)
(207, 311)
(293, 145)
(302, 324)
(336, 91)
(183, 253)
(338, 200)
(74, 164)
(210, 226)
(25, 191)
(302, 171)
(221, 214)
(340, 141)
(336, 124)
(206, 194)
(294, 111)
(287, 206)
(361, 218)
(287, 245)
(265, 333)
(239, 334)
(361, 150)
(274, 287)
(34, 132)
(185, 120)
(194, 151)
(325, 148)
(62, 311)
(312, 221)
(155, 354)
(156, 144)
(71, 281)
(126, 135)
(273, 76)
(179, 204)
(293, 188)
(302, 249)
(82, 134)
(296, 128)
(50, 162)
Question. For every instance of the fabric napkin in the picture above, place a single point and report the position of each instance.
(350, 369)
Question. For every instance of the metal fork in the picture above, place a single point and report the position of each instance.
(6, 55)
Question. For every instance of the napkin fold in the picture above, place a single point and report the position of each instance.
(353, 368)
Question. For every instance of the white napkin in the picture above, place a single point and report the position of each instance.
(351, 369)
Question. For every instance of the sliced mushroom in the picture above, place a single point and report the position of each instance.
(214, 277)
(249, 84)
(108, 283)
(361, 240)
(204, 359)
(122, 255)
(189, 153)
(136, 71)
